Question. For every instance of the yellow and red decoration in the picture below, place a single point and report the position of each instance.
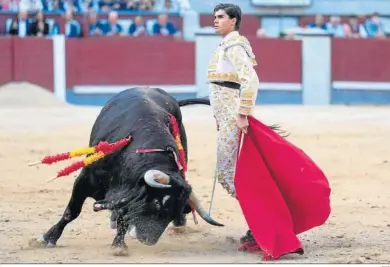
(95, 153)
(104, 148)
(176, 135)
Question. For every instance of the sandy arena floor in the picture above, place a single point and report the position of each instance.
(351, 144)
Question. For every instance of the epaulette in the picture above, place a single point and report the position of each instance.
(242, 41)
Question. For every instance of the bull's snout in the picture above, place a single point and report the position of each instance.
(144, 240)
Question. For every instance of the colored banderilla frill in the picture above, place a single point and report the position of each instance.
(176, 135)
(95, 153)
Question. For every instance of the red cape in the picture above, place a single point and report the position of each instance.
(281, 191)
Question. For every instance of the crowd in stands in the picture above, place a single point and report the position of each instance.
(82, 6)
(352, 27)
(36, 24)
(31, 19)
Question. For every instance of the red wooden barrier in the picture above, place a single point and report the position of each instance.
(278, 60)
(154, 60)
(124, 61)
(361, 60)
(120, 61)
(6, 60)
(33, 61)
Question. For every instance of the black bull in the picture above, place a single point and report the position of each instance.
(144, 191)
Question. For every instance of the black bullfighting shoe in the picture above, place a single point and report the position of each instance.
(248, 237)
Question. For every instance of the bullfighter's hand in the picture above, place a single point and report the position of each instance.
(242, 123)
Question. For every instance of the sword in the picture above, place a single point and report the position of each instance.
(215, 174)
(212, 193)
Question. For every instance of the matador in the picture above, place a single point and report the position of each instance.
(233, 90)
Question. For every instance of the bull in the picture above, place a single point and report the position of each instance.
(145, 192)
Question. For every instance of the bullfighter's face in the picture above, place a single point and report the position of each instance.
(223, 24)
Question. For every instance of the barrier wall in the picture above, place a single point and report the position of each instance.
(129, 61)
(97, 68)
(360, 71)
(361, 61)
(29, 59)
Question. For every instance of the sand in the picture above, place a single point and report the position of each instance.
(351, 144)
(24, 94)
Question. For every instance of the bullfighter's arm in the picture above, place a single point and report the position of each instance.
(249, 80)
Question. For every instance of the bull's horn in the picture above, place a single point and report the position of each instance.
(157, 179)
(194, 203)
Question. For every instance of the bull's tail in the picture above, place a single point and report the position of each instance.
(194, 101)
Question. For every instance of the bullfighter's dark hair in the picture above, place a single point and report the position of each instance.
(233, 11)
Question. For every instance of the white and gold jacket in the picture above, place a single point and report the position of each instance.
(233, 61)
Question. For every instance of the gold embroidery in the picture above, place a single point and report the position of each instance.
(233, 61)
(224, 77)
(246, 102)
(242, 41)
(248, 94)
(244, 110)
(248, 78)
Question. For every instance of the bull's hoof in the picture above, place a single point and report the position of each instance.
(120, 251)
(40, 243)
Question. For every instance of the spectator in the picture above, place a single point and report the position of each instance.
(105, 5)
(55, 6)
(96, 27)
(146, 5)
(138, 28)
(163, 26)
(132, 5)
(31, 5)
(375, 27)
(40, 27)
(335, 27)
(70, 5)
(72, 26)
(261, 33)
(21, 26)
(9, 5)
(289, 34)
(319, 22)
(113, 28)
(91, 5)
(167, 6)
(353, 29)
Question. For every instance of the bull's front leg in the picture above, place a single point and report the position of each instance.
(82, 189)
(119, 246)
(113, 219)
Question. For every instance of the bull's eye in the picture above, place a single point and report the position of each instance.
(157, 203)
